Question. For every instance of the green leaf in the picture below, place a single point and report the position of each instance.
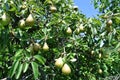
(69, 45)
(26, 65)
(14, 67)
(41, 59)
(35, 69)
(18, 52)
(118, 45)
(117, 19)
(110, 37)
(19, 71)
(12, 9)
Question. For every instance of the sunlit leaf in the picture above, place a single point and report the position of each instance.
(18, 73)
(14, 68)
(35, 69)
(40, 59)
(25, 67)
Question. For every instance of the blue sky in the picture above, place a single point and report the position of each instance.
(86, 7)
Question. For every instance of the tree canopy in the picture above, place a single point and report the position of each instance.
(51, 39)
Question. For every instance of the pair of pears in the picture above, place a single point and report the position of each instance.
(65, 67)
(36, 47)
(28, 22)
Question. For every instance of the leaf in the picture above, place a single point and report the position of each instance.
(14, 67)
(12, 9)
(26, 65)
(19, 71)
(69, 45)
(117, 19)
(118, 45)
(6, 7)
(18, 52)
(110, 37)
(35, 69)
(41, 59)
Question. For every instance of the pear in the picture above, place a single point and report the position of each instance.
(81, 27)
(59, 62)
(5, 19)
(30, 20)
(66, 69)
(45, 47)
(100, 71)
(100, 55)
(109, 22)
(92, 52)
(21, 23)
(69, 31)
(36, 46)
(53, 8)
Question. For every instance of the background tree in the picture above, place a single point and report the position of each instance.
(50, 39)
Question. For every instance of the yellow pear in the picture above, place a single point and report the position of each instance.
(69, 31)
(100, 71)
(59, 62)
(92, 52)
(109, 22)
(66, 69)
(30, 20)
(45, 47)
(21, 23)
(100, 55)
(53, 8)
(5, 19)
(81, 27)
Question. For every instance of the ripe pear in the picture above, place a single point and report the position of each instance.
(53, 8)
(23, 6)
(109, 22)
(92, 52)
(69, 31)
(100, 55)
(5, 19)
(59, 62)
(66, 69)
(45, 47)
(100, 71)
(36, 46)
(21, 23)
(81, 27)
(30, 20)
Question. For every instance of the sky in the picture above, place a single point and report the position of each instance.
(86, 7)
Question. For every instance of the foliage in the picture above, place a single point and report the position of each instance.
(30, 46)
(107, 5)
